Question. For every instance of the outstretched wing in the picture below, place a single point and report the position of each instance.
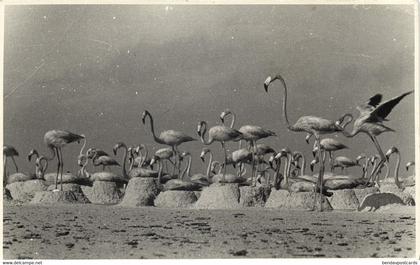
(370, 104)
(382, 111)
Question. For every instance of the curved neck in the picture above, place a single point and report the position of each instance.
(209, 166)
(43, 168)
(285, 103)
(303, 165)
(373, 168)
(365, 167)
(152, 128)
(188, 168)
(397, 168)
(51, 148)
(124, 170)
(160, 171)
(83, 146)
(204, 129)
(233, 119)
(143, 156)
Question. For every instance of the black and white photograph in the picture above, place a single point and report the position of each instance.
(209, 130)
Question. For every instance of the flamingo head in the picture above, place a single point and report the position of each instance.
(32, 153)
(118, 146)
(200, 127)
(81, 160)
(307, 138)
(313, 163)
(271, 161)
(360, 157)
(143, 116)
(224, 114)
(409, 164)
(314, 151)
(154, 160)
(390, 152)
(203, 153)
(267, 82)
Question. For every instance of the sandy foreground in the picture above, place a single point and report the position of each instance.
(102, 232)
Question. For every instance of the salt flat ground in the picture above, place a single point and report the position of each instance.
(102, 232)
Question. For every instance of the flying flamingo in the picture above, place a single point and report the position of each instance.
(309, 124)
(169, 137)
(251, 134)
(329, 145)
(370, 122)
(409, 164)
(218, 133)
(57, 139)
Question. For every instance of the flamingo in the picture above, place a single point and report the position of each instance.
(55, 141)
(409, 164)
(166, 154)
(135, 172)
(203, 153)
(9, 151)
(40, 168)
(251, 134)
(280, 180)
(169, 137)
(394, 150)
(311, 125)
(344, 162)
(104, 161)
(95, 152)
(222, 178)
(370, 122)
(329, 145)
(219, 133)
(296, 157)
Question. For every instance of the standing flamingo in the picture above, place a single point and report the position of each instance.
(394, 150)
(9, 151)
(218, 133)
(370, 122)
(329, 145)
(57, 139)
(309, 124)
(169, 137)
(251, 134)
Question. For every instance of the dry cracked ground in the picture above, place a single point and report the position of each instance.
(98, 231)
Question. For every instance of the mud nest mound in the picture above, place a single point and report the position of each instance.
(254, 196)
(67, 178)
(219, 196)
(177, 184)
(141, 192)
(175, 199)
(18, 177)
(344, 200)
(53, 197)
(296, 200)
(75, 188)
(102, 192)
(25, 191)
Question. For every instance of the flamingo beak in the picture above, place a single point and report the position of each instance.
(312, 167)
(406, 168)
(313, 153)
(115, 149)
(267, 83)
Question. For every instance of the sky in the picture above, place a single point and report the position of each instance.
(93, 69)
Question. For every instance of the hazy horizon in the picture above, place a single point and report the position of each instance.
(93, 69)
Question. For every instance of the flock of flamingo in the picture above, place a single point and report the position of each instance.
(370, 122)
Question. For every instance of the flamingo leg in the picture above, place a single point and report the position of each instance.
(331, 161)
(14, 162)
(4, 170)
(321, 172)
(224, 168)
(58, 168)
(381, 162)
(176, 158)
(62, 168)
